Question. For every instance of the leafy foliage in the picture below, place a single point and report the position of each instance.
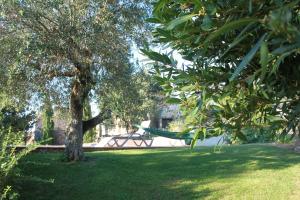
(47, 122)
(245, 67)
(90, 135)
(43, 43)
(177, 125)
(9, 158)
(15, 119)
(14, 123)
(130, 97)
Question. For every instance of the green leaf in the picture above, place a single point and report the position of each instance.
(199, 132)
(204, 132)
(173, 100)
(156, 68)
(167, 86)
(228, 27)
(211, 9)
(247, 58)
(157, 56)
(206, 24)
(264, 58)
(164, 33)
(159, 6)
(195, 111)
(160, 80)
(272, 118)
(244, 34)
(285, 49)
(188, 88)
(179, 21)
(196, 136)
(280, 60)
(153, 20)
(265, 94)
(186, 131)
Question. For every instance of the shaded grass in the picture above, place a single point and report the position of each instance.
(236, 172)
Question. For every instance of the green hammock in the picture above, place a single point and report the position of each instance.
(168, 134)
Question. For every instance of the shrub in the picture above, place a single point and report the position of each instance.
(177, 125)
(9, 158)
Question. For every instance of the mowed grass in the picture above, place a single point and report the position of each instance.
(235, 172)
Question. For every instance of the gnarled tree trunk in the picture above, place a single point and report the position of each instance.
(78, 127)
(82, 60)
(74, 151)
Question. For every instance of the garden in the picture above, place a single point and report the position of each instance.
(80, 79)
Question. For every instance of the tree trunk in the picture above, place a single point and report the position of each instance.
(78, 127)
(82, 60)
(74, 151)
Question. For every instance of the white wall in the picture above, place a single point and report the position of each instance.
(212, 141)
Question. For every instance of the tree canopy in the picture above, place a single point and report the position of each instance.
(130, 96)
(245, 71)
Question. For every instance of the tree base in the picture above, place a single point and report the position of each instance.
(74, 153)
(74, 150)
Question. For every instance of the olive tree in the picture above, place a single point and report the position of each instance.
(64, 45)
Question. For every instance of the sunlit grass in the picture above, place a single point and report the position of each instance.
(237, 172)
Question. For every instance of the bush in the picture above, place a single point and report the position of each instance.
(9, 158)
(254, 135)
(176, 126)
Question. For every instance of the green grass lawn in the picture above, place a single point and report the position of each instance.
(236, 172)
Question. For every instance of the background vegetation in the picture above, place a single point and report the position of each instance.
(132, 97)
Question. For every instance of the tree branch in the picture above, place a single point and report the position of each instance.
(53, 73)
(91, 123)
(78, 55)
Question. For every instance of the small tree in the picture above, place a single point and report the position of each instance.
(47, 122)
(13, 127)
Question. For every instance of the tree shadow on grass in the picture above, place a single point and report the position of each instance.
(148, 174)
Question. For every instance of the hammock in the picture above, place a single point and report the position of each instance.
(168, 134)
